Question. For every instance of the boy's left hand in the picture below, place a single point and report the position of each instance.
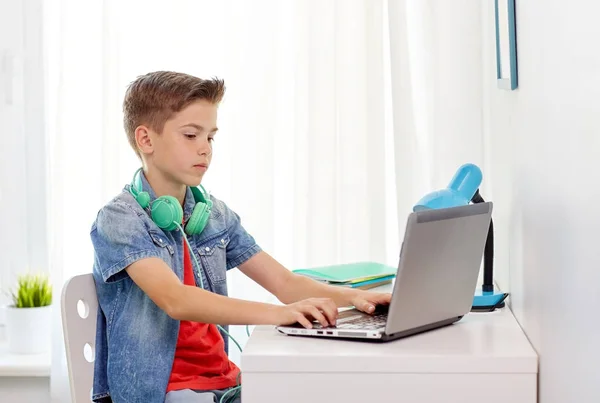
(366, 301)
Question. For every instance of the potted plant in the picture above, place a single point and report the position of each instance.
(28, 319)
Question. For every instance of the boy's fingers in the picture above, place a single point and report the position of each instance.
(384, 298)
(365, 306)
(330, 310)
(368, 305)
(317, 315)
(303, 321)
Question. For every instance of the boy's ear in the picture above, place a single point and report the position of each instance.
(144, 140)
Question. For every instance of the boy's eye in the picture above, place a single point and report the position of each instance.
(190, 135)
(211, 139)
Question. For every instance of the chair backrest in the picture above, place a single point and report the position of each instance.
(79, 306)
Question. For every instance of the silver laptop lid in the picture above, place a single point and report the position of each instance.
(439, 265)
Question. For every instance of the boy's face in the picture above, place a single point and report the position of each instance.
(183, 151)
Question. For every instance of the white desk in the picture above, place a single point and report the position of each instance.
(23, 378)
(485, 357)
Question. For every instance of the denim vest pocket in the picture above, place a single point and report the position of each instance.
(213, 256)
(161, 241)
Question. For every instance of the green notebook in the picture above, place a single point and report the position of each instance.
(348, 272)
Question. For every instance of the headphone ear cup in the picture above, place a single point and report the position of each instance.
(143, 198)
(167, 213)
(198, 220)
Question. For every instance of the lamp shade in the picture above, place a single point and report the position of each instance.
(459, 192)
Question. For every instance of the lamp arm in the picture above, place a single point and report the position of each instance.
(488, 252)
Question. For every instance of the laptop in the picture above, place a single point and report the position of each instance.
(439, 265)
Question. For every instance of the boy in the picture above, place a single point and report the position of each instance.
(161, 296)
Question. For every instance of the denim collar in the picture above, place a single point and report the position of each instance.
(188, 204)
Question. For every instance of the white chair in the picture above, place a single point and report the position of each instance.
(79, 306)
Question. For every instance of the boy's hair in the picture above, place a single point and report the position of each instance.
(153, 98)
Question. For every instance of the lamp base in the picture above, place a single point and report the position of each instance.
(488, 301)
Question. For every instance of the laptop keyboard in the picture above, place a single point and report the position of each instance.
(375, 321)
(356, 320)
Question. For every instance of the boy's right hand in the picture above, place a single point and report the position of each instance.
(324, 310)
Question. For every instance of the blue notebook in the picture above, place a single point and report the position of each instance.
(349, 272)
(375, 282)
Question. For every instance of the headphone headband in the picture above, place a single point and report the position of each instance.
(135, 189)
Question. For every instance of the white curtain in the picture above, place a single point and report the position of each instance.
(338, 116)
(304, 151)
(436, 76)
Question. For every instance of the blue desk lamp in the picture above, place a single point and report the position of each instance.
(462, 190)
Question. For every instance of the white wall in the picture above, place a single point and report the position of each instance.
(543, 158)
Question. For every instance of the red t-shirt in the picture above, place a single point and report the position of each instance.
(200, 360)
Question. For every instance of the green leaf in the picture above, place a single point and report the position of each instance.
(33, 291)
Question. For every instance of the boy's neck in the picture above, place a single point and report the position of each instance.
(162, 186)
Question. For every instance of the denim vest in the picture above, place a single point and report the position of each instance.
(135, 339)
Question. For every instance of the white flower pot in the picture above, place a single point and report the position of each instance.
(28, 330)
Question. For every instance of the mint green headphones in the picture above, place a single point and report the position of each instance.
(166, 212)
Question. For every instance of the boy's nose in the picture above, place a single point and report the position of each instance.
(205, 148)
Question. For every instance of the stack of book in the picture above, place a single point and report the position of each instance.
(363, 275)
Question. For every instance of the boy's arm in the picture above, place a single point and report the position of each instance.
(124, 247)
(289, 287)
(191, 303)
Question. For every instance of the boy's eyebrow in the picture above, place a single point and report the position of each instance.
(198, 127)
